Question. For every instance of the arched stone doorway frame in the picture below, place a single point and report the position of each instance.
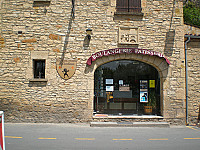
(157, 62)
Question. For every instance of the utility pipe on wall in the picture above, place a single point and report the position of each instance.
(186, 78)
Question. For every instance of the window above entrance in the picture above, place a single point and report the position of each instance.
(128, 7)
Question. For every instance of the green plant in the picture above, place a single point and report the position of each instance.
(152, 98)
(191, 14)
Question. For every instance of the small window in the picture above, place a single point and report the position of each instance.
(129, 6)
(39, 69)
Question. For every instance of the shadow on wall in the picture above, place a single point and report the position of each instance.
(169, 43)
(170, 36)
(86, 43)
(68, 34)
(89, 69)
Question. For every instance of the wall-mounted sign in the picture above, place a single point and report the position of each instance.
(2, 138)
(128, 35)
(122, 51)
(67, 69)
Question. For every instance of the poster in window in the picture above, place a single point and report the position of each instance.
(143, 96)
(151, 83)
(143, 84)
(109, 88)
(143, 91)
(109, 81)
(109, 97)
(124, 88)
(121, 82)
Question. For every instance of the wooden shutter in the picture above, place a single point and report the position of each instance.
(122, 5)
(135, 6)
(128, 6)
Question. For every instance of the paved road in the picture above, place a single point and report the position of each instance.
(83, 137)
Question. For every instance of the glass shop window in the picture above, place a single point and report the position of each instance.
(126, 87)
(39, 69)
(129, 6)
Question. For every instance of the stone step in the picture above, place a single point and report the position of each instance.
(130, 124)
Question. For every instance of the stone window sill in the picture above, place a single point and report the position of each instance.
(38, 80)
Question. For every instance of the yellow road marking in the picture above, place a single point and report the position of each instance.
(191, 128)
(13, 137)
(192, 138)
(122, 139)
(85, 139)
(41, 138)
(158, 139)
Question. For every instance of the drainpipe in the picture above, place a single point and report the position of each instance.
(186, 78)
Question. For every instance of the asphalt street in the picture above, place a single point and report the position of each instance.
(83, 137)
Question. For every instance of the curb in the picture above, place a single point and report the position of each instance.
(130, 124)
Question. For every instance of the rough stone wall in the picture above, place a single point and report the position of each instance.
(45, 32)
(193, 80)
(193, 48)
(191, 30)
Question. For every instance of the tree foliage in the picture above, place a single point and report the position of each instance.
(191, 14)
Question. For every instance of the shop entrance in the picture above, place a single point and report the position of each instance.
(126, 87)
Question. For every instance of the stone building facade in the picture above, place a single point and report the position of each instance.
(53, 32)
(193, 47)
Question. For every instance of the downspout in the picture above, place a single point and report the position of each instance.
(186, 78)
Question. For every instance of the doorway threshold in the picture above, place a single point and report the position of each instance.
(135, 116)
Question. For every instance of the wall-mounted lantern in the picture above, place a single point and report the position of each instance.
(89, 32)
(87, 38)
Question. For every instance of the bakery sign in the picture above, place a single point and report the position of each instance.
(124, 51)
(66, 69)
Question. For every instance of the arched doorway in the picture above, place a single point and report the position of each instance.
(127, 87)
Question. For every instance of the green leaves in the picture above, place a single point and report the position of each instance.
(191, 14)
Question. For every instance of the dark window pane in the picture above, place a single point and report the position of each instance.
(39, 68)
